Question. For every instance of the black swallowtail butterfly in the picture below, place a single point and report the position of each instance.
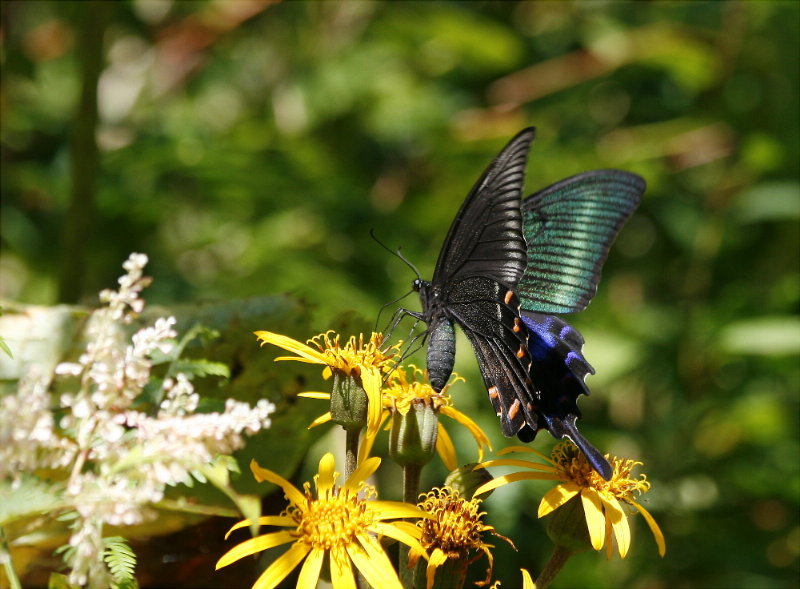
(496, 247)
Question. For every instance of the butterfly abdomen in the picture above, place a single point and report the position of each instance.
(441, 352)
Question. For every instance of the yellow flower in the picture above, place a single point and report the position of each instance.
(364, 361)
(410, 387)
(456, 529)
(344, 523)
(602, 500)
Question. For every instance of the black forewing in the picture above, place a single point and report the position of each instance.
(486, 238)
(569, 228)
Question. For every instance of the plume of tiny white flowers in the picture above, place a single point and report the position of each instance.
(120, 459)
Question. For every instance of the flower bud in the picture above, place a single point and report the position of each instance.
(412, 439)
(466, 479)
(567, 526)
(348, 401)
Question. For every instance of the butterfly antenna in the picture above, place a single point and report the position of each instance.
(395, 253)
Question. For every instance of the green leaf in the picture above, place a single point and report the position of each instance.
(121, 561)
(200, 368)
(29, 496)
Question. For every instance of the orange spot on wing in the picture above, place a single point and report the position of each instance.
(509, 296)
(494, 393)
(512, 413)
(521, 352)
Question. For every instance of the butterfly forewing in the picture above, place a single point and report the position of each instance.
(486, 236)
(569, 228)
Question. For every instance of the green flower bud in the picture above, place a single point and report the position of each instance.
(412, 439)
(348, 401)
(567, 526)
(466, 479)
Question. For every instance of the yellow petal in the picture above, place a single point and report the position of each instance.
(527, 582)
(368, 440)
(527, 449)
(362, 472)
(326, 476)
(291, 492)
(341, 571)
(267, 520)
(324, 418)
(610, 541)
(372, 562)
(445, 448)
(395, 531)
(516, 462)
(480, 437)
(438, 558)
(657, 533)
(371, 380)
(619, 522)
(314, 395)
(291, 345)
(595, 520)
(253, 545)
(514, 477)
(557, 496)
(285, 564)
(296, 359)
(384, 510)
(309, 574)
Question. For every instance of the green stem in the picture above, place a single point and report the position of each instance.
(351, 451)
(411, 474)
(557, 560)
(5, 555)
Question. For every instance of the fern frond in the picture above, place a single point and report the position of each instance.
(121, 561)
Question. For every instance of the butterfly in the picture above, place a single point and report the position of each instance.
(530, 363)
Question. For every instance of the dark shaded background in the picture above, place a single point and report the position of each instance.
(248, 148)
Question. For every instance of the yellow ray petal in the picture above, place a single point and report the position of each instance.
(341, 570)
(371, 380)
(527, 582)
(437, 559)
(657, 533)
(324, 418)
(262, 474)
(527, 449)
(295, 359)
(362, 472)
(609, 540)
(595, 520)
(291, 345)
(394, 531)
(372, 562)
(314, 395)
(285, 564)
(253, 545)
(309, 574)
(368, 440)
(384, 510)
(619, 522)
(326, 476)
(445, 448)
(557, 496)
(513, 478)
(516, 462)
(480, 437)
(267, 520)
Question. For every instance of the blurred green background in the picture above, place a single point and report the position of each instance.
(249, 147)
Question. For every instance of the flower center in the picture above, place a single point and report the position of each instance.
(457, 525)
(333, 520)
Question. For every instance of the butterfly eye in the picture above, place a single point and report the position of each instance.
(416, 285)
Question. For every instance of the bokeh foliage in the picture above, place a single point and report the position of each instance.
(248, 148)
